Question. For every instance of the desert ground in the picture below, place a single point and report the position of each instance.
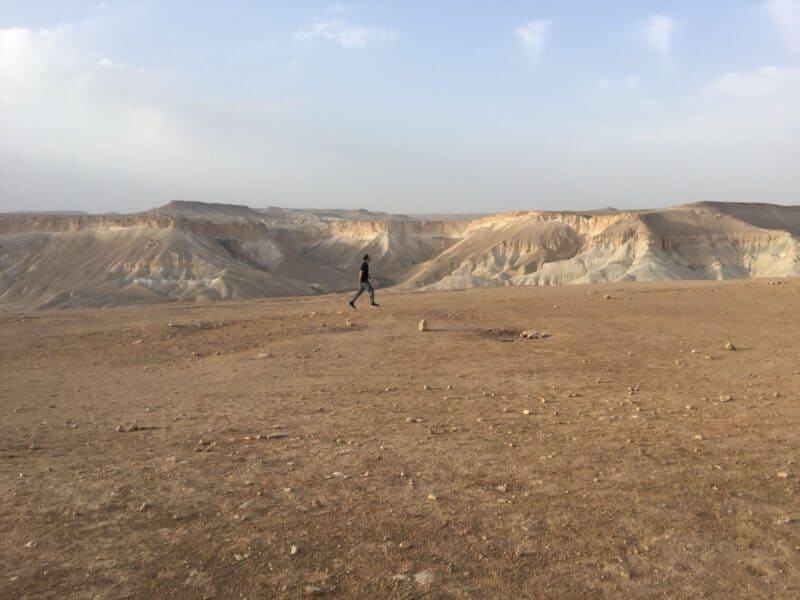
(283, 448)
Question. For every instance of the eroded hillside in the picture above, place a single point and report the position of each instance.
(190, 251)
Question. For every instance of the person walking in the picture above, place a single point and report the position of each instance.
(364, 284)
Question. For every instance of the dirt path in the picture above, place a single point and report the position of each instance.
(604, 460)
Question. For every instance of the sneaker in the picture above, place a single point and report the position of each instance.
(351, 303)
(374, 304)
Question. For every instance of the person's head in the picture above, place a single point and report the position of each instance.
(366, 258)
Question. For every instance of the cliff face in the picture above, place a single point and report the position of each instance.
(187, 254)
(694, 242)
(33, 223)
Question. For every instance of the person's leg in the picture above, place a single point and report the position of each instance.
(357, 294)
(371, 292)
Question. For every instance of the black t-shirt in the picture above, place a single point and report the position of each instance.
(365, 271)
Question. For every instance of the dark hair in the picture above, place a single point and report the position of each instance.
(366, 257)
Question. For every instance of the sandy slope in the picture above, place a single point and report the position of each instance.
(204, 252)
(399, 454)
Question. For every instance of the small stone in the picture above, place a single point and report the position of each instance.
(432, 497)
(144, 506)
(782, 474)
(525, 548)
(607, 297)
(404, 545)
(526, 412)
(425, 577)
(730, 346)
(698, 437)
(278, 435)
(725, 398)
(312, 590)
(530, 334)
(423, 325)
(293, 550)
(620, 570)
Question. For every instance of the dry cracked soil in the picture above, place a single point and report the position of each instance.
(294, 447)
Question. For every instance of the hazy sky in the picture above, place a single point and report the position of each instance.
(412, 106)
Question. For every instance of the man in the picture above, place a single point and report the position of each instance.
(364, 284)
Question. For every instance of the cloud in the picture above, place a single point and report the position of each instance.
(765, 82)
(347, 35)
(25, 54)
(107, 63)
(754, 113)
(51, 84)
(533, 35)
(733, 138)
(785, 14)
(66, 109)
(81, 135)
(657, 32)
